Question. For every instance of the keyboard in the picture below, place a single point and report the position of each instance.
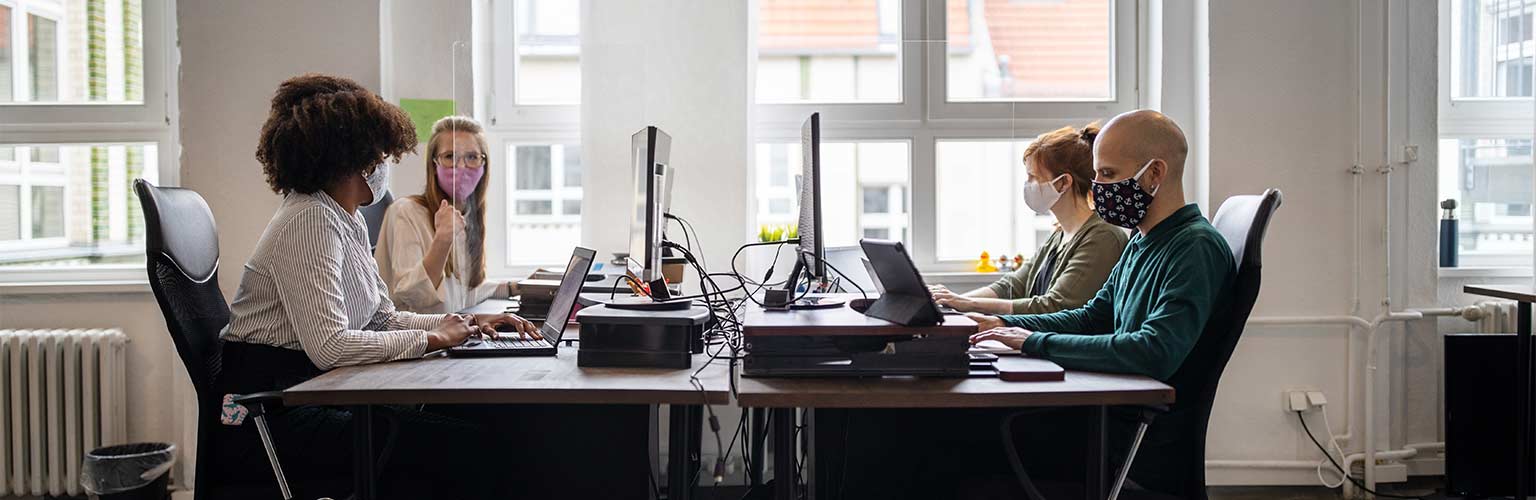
(512, 343)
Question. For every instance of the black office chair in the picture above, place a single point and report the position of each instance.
(1173, 451)
(373, 214)
(182, 257)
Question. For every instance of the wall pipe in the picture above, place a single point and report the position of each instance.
(1370, 455)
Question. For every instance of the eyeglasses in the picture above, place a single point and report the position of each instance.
(471, 160)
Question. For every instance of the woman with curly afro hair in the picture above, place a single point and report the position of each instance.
(310, 299)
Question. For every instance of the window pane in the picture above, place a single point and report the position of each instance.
(572, 165)
(47, 212)
(534, 207)
(1013, 50)
(979, 201)
(548, 51)
(72, 204)
(1491, 48)
(43, 47)
(533, 168)
(878, 233)
(5, 55)
(1491, 181)
(536, 233)
(844, 51)
(73, 52)
(877, 199)
(849, 172)
(10, 213)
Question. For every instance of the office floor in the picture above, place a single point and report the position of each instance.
(1422, 487)
(1427, 488)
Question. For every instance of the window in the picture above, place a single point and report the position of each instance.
(58, 51)
(829, 51)
(542, 181)
(83, 88)
(533, 114)
(863, 188)
(72, 204)
(1011, 50)
(980, 206)
(1491, 48)
(1485, 161)
(957, 85)
(548, 52)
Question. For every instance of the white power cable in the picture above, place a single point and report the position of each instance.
(1334, 442)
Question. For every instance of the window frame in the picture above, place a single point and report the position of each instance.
(1472, 118)
(924, 117)
(152, 121)
(508, 123)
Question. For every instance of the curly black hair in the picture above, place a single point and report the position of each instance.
(323, 128)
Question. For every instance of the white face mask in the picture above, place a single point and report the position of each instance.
(378, 182)
(1040, 197)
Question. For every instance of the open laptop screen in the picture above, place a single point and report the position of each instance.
(565, 297)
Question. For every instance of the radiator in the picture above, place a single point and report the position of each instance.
(1492, 316)
(61, 395)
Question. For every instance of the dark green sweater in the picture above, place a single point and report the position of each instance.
(1149, 313)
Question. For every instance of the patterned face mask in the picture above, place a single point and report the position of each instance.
(1123, 203)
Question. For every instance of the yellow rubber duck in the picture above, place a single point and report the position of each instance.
(984, 263)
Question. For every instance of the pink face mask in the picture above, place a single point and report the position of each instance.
(459, 182)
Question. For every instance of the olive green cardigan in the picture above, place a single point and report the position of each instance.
(1082, 265)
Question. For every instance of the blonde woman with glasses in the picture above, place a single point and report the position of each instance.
(431, 249)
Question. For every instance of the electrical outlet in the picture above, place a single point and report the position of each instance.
(1296, 401)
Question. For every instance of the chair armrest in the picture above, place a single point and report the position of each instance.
(258, 402)
(257, 398)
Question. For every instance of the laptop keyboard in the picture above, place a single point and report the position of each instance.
(513, 343)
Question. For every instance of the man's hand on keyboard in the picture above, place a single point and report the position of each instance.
(488, 323)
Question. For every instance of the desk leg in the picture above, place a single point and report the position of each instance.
(362, 452)
(785, 483)
(1523, 401)
(1093, 482)
(686, 423)
(758, 444)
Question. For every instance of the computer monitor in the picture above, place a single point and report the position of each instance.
(812, 248)
(650, 149)
(810, 258)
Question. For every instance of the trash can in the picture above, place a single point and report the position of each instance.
(136, 471)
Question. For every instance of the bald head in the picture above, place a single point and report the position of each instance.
(1135, 137)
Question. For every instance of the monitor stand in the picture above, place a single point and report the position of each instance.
(648, 304)
(808, 302)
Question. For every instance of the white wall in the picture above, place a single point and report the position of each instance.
(1292, 106)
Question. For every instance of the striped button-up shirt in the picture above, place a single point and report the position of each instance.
(312, 285)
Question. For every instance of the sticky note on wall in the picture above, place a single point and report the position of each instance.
(425, 112)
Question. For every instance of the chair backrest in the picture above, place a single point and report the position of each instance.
(1243, 220)
(182, 256)
(373, 214)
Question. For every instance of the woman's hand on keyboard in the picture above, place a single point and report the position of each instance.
(487, 324)
(452, 330)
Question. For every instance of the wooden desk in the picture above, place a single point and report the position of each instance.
(1525, 407)
(782, 396)
(519, 380)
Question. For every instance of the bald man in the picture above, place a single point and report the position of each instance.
(1158, 297)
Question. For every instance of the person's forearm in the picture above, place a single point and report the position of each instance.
(994, 306)
(435, 260)
(982, 293)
